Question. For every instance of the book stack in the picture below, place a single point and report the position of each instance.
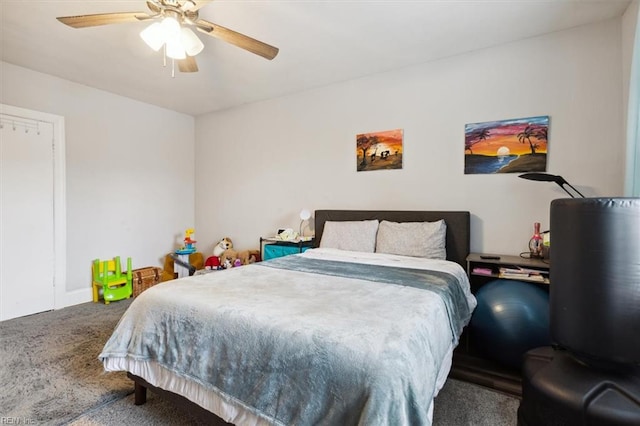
(523, 274)
(482, 271)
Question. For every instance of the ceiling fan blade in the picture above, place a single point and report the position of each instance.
(237, 39)
(83, 21)
(155, 8)
(193, 5)
(188, 64)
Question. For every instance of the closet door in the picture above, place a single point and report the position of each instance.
(26, 217)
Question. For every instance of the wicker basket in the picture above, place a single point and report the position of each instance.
(144, 278)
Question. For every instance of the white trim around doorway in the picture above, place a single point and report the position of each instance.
(61, 299)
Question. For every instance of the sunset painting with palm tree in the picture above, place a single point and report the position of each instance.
(506, 146)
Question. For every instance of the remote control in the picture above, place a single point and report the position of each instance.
(489, 257)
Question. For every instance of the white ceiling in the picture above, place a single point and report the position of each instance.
(321, 42)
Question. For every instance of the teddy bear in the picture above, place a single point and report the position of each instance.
(228, 257)
(248, 256)
(239, 258)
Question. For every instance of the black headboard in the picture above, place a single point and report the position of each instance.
(458, 225)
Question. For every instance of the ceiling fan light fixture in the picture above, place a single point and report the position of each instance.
(191, 43)
(175, 50)
(153, 36)
(170, 28)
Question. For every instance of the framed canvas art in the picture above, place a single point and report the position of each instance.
(379, 150)
(506, 146)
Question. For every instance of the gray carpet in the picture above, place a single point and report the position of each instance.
(50, 372)
(50, 375)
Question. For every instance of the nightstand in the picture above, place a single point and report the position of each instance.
(469, 363)
(271, 248)
(482, 268)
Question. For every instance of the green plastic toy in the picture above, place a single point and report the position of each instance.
(107, 274)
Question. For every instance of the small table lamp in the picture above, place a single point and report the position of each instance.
(304, 215)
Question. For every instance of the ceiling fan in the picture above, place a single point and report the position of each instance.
(171, 29)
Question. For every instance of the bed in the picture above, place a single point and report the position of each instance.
(340, 334)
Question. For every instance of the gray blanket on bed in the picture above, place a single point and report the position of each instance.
(346, 347)
(442, 283)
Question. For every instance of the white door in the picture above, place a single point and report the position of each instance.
(26, 216)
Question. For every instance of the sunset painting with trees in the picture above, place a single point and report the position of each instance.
(379, 150)
(506, 146)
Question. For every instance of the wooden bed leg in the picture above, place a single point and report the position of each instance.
(140, 394)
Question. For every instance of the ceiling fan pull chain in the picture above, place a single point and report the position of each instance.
(164, 56)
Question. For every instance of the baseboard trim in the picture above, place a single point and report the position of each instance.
(74, 297)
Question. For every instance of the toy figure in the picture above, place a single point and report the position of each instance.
(189, 243)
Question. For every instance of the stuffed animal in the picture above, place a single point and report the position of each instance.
(212, 263)
(239, 258)
(223, 245)
(248, 256)
(227, 264)
(228, 255)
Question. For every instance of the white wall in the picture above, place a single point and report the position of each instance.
(129, 172)
(629, 24)
(259, 164)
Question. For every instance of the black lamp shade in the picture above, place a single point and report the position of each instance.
(595, 278)
(542, 177)
(559, 180)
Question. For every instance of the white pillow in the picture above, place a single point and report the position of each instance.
(350, 235)
(417, 239)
